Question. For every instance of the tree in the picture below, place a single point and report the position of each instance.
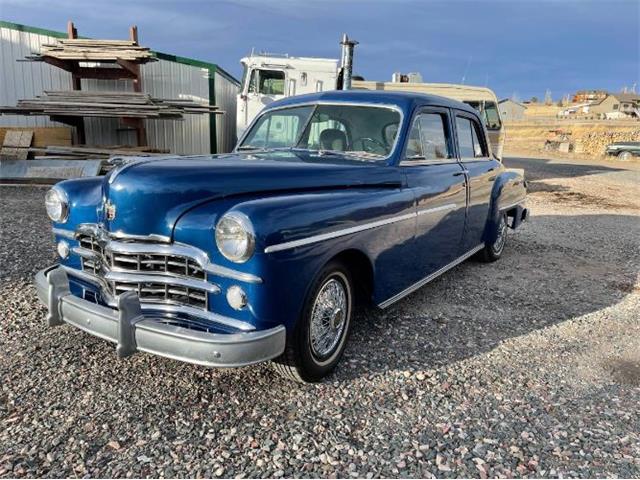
(534, 100)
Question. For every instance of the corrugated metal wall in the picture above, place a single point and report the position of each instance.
(26, 79)
(225, 98)
(162, 79)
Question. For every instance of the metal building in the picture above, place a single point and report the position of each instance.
(511, 110)
(169, 77)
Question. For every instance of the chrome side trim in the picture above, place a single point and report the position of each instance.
(441, 208)
(64, 233)
(168, 308)
(427, 279)
(339, 233)
(114, 276)
(359, 228)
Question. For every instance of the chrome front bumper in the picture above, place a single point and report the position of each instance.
(133, 331)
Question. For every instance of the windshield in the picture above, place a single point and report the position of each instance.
(489, 112)
(366, 132)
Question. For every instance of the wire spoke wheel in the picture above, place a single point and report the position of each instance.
(328, 318)
(501, 238)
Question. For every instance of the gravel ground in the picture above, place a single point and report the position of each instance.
(526, 367)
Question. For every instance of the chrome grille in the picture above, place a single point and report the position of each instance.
(103, 261)
(157, 292)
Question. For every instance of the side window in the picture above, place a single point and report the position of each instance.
(428, 138)
(271, 82)
(469, 142)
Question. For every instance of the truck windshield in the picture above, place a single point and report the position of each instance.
(366, 132)
(489, 112)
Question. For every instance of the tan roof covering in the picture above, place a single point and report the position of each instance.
(450, 90)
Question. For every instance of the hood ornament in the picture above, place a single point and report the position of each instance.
(109, 210)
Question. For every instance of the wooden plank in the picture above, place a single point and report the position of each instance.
(15, 145)
(42, 136)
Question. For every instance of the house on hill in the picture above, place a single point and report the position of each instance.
(617, 105)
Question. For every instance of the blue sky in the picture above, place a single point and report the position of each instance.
(512, 46)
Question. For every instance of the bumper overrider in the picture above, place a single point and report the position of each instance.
(133, 331)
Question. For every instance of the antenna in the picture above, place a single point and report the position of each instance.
(464, 76)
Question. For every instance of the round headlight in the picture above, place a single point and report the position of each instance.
(235, 238)
(57, 205)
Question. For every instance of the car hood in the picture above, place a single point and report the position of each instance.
(150, 195)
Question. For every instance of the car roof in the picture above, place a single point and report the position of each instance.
(406, 101)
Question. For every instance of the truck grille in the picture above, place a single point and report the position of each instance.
(104, 261)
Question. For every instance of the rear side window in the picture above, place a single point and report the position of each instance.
(428, 138)
(469, 142)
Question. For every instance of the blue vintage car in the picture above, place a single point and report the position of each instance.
(329, 200)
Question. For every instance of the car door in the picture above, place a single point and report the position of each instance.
(437, 180)
(480, 170)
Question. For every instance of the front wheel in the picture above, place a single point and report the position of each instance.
(493, 251)
(624, 156)
(315, 346)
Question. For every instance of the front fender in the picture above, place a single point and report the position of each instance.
(279, 219)
(509, 192)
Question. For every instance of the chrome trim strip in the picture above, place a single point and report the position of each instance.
(214, 317)
(85, 253)
(96, 231)
(154, 237)
(176, 248)
(114, 276)
(169, 308)
(388, 106)
(339, 233)
(441, 208)
(64, 233)
(359, 228)
(128, 162)
(427, 279)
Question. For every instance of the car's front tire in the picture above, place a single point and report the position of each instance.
(319, 338)
(493, 251)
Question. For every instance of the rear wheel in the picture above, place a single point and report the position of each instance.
(624, 156)
(315, 346)
(493, 251)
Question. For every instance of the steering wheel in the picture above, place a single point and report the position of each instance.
(363, 141)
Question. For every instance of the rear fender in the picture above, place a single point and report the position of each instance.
(508, 195)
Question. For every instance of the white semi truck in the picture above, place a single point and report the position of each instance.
(269, 77)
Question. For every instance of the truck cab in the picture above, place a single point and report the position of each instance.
(268, 77)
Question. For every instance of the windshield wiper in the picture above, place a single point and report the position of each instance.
(248, 147)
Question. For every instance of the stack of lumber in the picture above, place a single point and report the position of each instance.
(108, 104)
(94, 50)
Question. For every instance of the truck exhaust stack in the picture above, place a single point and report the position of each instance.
(346, 61)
